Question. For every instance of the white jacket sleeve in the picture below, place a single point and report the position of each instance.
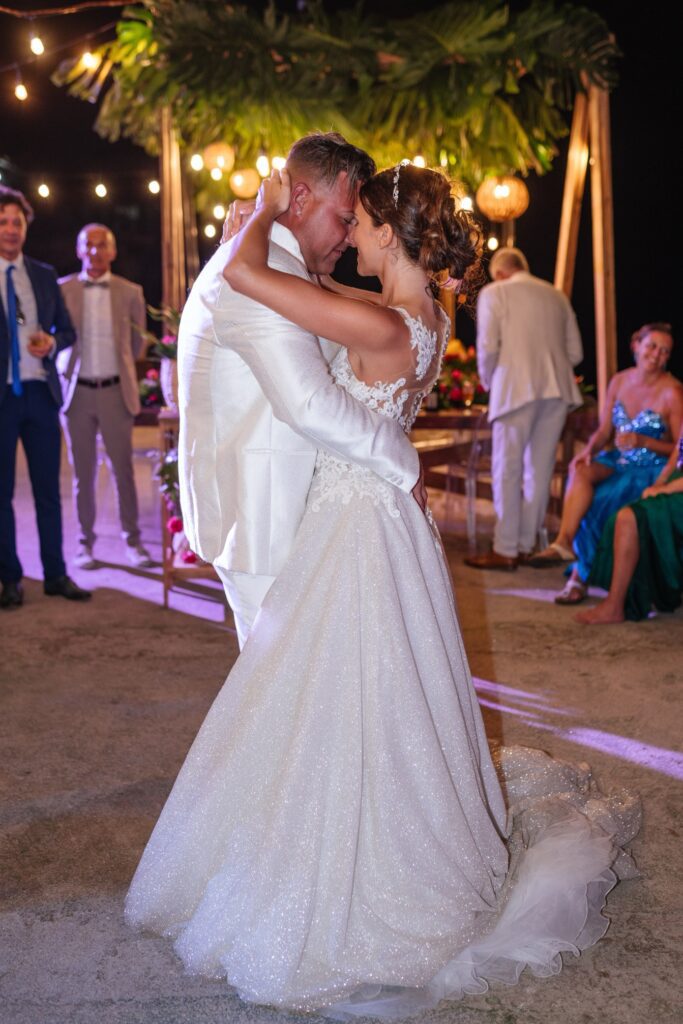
(488, 335)
(292, 373)
(572, 337)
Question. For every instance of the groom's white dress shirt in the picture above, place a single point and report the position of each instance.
(256, 402)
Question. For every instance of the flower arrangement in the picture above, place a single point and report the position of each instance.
(167, 475)
(150, 390)
(459, 385)
(165, 347)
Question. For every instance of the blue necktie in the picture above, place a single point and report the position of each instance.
(13, 331)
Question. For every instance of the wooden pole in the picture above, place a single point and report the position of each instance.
(574, 184)
(603, 239)
(173, 275)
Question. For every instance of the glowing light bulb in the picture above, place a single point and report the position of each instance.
(36, 45)
(466, 203)
(278, 162)
(419, 161)
(492, 243)
(501, 191)
(263, 165)
(89, 60)
(154, 187)
(21, 92)
(210, 230)
(216, 173)
(219, 211)
(196, 161)
(43, 190)
(101, 190)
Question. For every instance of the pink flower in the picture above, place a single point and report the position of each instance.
(174, 524)
(152, 374)
(169, 339)
(189, 557)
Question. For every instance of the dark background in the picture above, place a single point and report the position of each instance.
(50, 137)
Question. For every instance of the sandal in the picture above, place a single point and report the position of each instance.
(555, 554)
(574, 592)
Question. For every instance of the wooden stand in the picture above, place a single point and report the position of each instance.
(172, 573)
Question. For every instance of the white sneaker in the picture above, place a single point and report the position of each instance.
(84, 558)
(139, 556)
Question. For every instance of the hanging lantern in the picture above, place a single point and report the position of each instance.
(245, 184)
(504, 198)
(219, 155)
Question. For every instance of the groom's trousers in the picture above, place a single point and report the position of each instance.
(245, 593)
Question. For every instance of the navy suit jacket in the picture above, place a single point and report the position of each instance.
(53, 318)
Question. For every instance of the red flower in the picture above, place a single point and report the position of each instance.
(455, 395)
(189, 557)
(481, 390)
(152, 374)
(174, 525)
(456, 375)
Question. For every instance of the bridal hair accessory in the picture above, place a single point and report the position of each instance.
(397, 171)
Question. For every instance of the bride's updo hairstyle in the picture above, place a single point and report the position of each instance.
(417, 204)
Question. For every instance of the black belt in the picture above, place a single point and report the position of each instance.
(106, 383)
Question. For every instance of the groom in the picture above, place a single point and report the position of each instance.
(256, 396)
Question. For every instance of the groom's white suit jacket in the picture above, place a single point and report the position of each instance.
(256, 402)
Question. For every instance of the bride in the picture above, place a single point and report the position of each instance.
(338, 838)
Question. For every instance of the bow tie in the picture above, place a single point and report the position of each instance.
(96, 284)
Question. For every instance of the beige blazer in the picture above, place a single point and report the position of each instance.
(527, 343)
(128, 310)
(256, 402)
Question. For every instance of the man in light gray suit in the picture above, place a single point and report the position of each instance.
(527, 343)
(100, 386)
(256, 396)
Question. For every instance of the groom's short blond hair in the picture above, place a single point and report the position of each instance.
(323, 156)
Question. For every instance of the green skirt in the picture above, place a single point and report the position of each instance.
(658, 579)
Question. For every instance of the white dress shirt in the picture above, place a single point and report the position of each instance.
(30, 368)
(98, 351)
(527, 343)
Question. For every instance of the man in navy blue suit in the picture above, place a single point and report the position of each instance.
(34, 326)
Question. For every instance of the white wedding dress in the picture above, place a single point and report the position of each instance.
(337, 838)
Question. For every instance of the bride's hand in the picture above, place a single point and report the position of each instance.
(239, 212)
(275, 192)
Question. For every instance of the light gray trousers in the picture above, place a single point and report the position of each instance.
(523, 459)
(102, 411)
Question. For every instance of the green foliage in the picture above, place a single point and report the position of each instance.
(469, 84)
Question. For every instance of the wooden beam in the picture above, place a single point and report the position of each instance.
(603, 239)
(173, 275)
(574, 185)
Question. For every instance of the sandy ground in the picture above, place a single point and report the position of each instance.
(99, 703)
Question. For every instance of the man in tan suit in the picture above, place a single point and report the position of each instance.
(527, 343)
(100, 385)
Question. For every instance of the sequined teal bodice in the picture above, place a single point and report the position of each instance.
(645, 422)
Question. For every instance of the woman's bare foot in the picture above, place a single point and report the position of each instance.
(602, 615)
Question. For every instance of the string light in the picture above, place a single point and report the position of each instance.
(154, 187)
(101, 190)
(196, 161)
(419, 161)
(210, 230)
(263, 165)
(89, 60)
(219, 211)
(43, 190)
(278, 163)
(20, 90)
(492, 243)
(216, 173)
(37, 46)
(467, 204)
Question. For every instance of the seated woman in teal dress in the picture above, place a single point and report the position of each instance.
(643, 415)
(640, 554)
